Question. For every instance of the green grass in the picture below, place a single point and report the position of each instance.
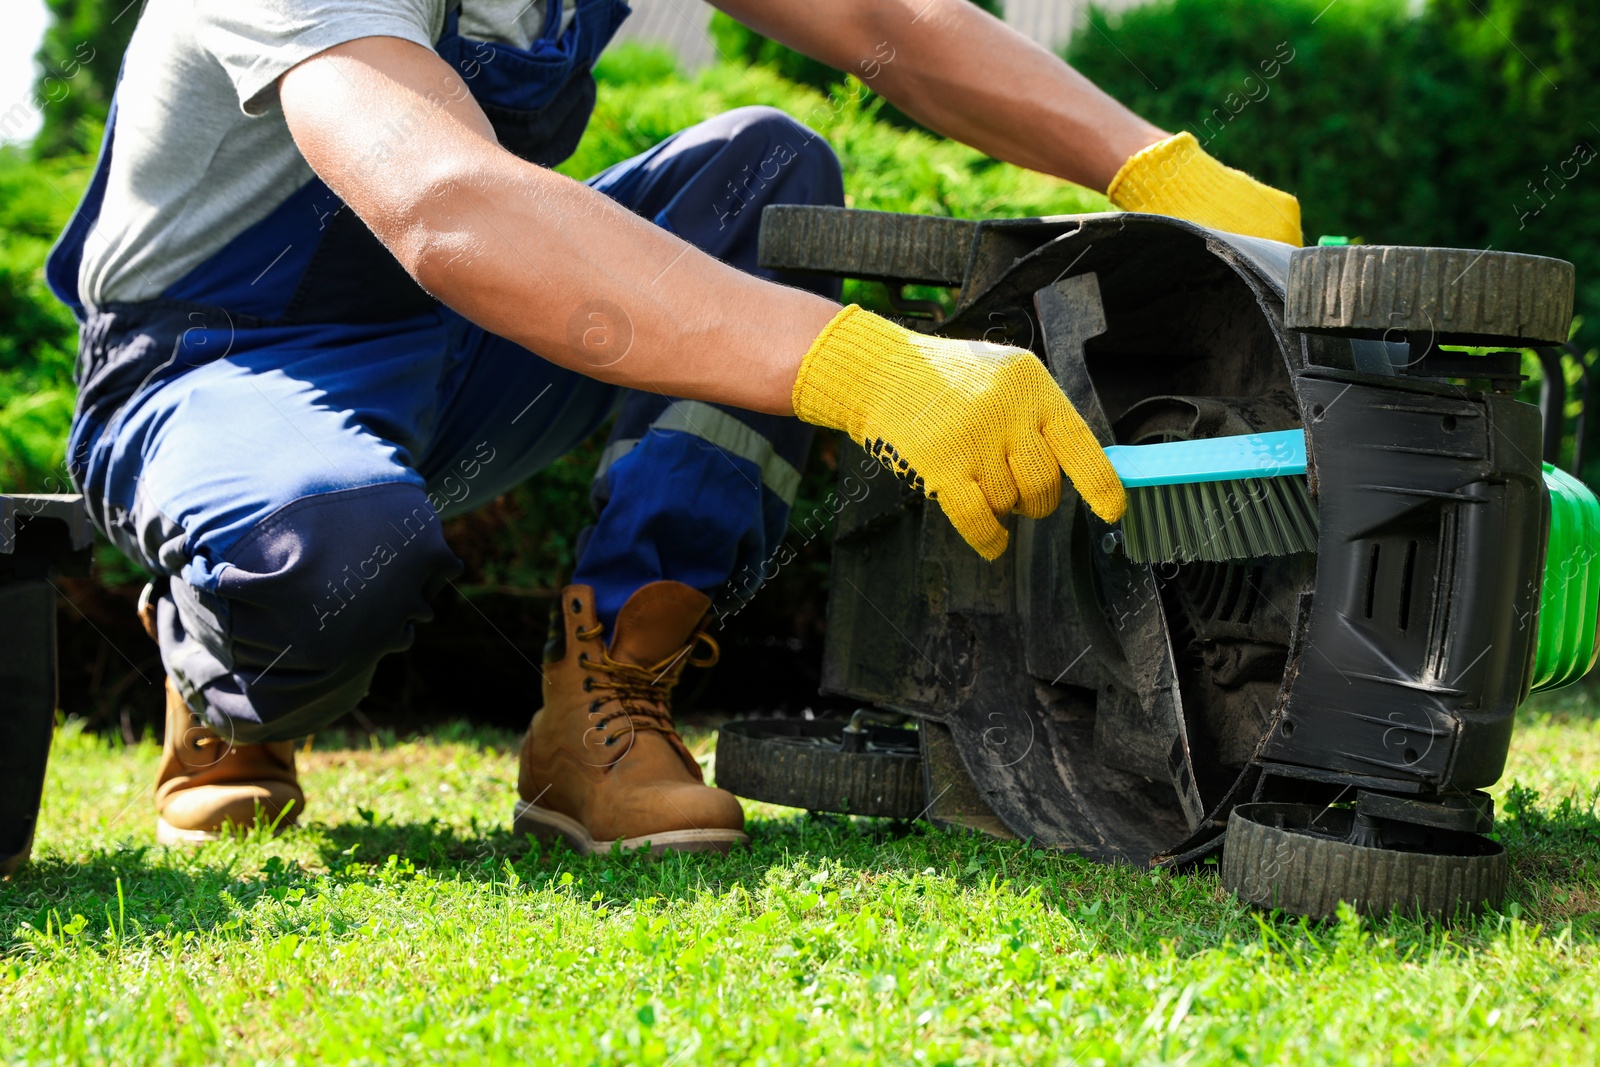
(404, 923)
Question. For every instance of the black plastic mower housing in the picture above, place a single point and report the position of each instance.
(1123, 710)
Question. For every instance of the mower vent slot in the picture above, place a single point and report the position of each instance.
(1406, 585)
(1222, 592)
(1444, 576)
(1372, 577)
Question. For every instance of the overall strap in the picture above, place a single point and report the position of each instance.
(66, 256)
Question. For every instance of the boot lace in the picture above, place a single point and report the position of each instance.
(638, 696)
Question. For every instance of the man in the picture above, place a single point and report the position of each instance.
(314, 266)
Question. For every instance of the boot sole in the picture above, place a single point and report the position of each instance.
(168, 834)
(547, 825)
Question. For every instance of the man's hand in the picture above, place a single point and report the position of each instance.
(981, 427)
(532, 255)
(1176, 177)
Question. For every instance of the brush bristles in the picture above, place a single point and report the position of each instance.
(1219, 521)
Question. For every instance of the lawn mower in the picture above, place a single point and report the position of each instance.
(1321, 725)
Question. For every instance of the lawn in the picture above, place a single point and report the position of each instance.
(405, 923)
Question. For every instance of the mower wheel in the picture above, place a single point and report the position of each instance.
(1297, 857)
(804, 764)
(1453, 295)
(929, 249)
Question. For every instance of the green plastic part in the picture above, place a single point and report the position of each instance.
(1569, 600)
(1329, 239)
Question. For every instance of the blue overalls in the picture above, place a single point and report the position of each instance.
(278, 434)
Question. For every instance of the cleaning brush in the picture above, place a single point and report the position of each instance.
(1220, 498)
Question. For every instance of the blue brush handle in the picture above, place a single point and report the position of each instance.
(1215, 459)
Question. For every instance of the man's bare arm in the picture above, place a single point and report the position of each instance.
(529, 254)
(968, 75)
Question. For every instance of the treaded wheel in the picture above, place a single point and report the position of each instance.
(799, 763)
(1293, 856)
(1458, 295)
(929, 249)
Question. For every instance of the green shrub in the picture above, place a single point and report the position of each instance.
(38, 337)
(76, 69)
(737, 42)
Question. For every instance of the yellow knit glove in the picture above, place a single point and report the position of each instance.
(982, 428)
(1176, 177)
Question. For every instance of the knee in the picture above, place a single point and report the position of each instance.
(344, 571)
(784, 155)
(312, 598)
(768, 124)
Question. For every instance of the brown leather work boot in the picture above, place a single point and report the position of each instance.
(207, 785)
(602, 762)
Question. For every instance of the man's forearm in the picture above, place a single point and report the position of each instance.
(565, 272)
(529, 254)
(966, 74)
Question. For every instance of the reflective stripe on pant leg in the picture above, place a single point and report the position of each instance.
(711, 423)
(702, 493)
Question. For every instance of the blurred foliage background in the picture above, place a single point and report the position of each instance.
(83, 46)
(1443, 122)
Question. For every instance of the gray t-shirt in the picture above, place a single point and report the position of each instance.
(201, 149)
